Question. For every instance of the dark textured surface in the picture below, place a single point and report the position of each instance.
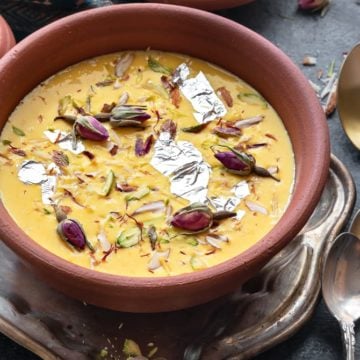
(297, 34)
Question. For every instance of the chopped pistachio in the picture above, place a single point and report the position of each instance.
(46, 211)
(194, 129)
(139, 194)
(253, 99)
(197, 263)
(131, 348)
(65, 104)
(154, 65)
(109, 182)
(192, 241)
(163, 241)
(17, 131)
(6, 142)
(128, 238)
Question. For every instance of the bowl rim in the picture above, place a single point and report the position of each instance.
(270, 244)
(7, 39)
(210, 5)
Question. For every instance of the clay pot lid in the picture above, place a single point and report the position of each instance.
(7, 40)
(205, 4)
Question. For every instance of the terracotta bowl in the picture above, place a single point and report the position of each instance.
(205, 4)
(200, 34)
(7, 40)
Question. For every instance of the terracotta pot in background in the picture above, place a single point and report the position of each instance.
(199, 34)
(7, 40)
(205, 4)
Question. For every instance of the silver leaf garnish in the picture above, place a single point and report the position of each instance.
(241, 190)
(32, 172)
(221, 203)
(64, 140)
(184, 165)
(180, 74)
(48, 189)
(200, 93)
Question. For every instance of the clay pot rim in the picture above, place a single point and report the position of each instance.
(211, 5)
(266, 247)
(7, 39)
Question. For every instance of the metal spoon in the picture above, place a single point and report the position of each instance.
(341, 285)
(349, 96)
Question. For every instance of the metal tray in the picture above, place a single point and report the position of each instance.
(263, 312)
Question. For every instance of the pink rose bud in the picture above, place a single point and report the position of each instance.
(90, 128)
(72, 232)
(241, 165)
(193, 218)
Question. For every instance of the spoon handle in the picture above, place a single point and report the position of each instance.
(348, 337)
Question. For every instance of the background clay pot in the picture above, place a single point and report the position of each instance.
(199, 34)
(7, 40)
(205, 4)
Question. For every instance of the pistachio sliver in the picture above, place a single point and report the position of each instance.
(108, 185)
(139, 194)
(253, 99)
(128, 238)
(155, 66)
(197, 263)
(192, 241)
(195, 129)
(17, 131)
(131, 348)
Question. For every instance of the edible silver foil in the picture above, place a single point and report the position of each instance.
(184, 165)
(32, 172)
(200, 93)
(64, 140)
(241, 190)
(221, 203)
(48, 189)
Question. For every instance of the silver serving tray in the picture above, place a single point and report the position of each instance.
(265, 311)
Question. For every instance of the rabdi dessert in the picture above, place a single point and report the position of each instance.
(145, 164)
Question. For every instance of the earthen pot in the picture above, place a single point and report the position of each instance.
(7, 40)
(196, 33)
(205, 4)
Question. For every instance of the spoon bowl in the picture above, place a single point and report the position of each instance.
(341, 286)
(349, 94)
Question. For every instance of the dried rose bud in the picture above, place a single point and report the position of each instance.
(241, 163)
(128, 116)
(90, 128)
(312, 5)
(72, 232)
(193, 218)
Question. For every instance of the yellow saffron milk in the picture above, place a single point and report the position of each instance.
(124, 204)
